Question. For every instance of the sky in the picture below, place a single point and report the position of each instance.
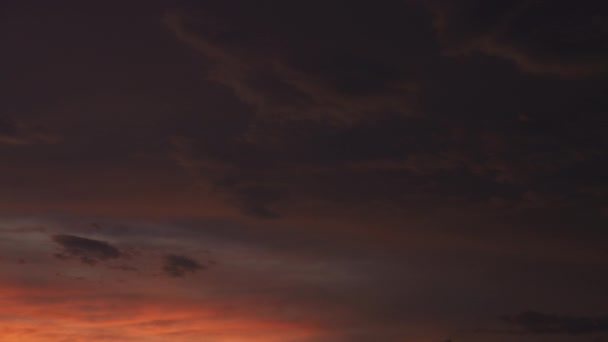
(303, 171)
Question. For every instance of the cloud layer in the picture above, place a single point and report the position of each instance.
(337, 171)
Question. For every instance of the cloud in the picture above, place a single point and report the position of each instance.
(13, 132)
(179, 265)
(532, 322)
(243, 187)
(267, 173)
(542, 37)
(303, 79)
(257, 201)
(89, 251)
(259, 56)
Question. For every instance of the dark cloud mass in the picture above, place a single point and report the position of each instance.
(289, 67)
(336, 122)
(88, 251)
(533, 322)
(179, 265)
(552, 37)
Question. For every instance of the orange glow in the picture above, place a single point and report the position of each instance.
(49, 314)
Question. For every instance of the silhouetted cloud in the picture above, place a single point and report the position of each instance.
(179, 265)
(88, 251)
(533, 322)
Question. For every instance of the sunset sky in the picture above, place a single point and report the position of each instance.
(303, 171)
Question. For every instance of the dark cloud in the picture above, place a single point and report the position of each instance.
(88, 251)
(267, 55)
(545, 37)
(532, 322)
(257, 201)
(286, 66)
(244, 188)
(179, 265)
(399, 160)
(13, 132)
(508, 154)
(276, 163)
